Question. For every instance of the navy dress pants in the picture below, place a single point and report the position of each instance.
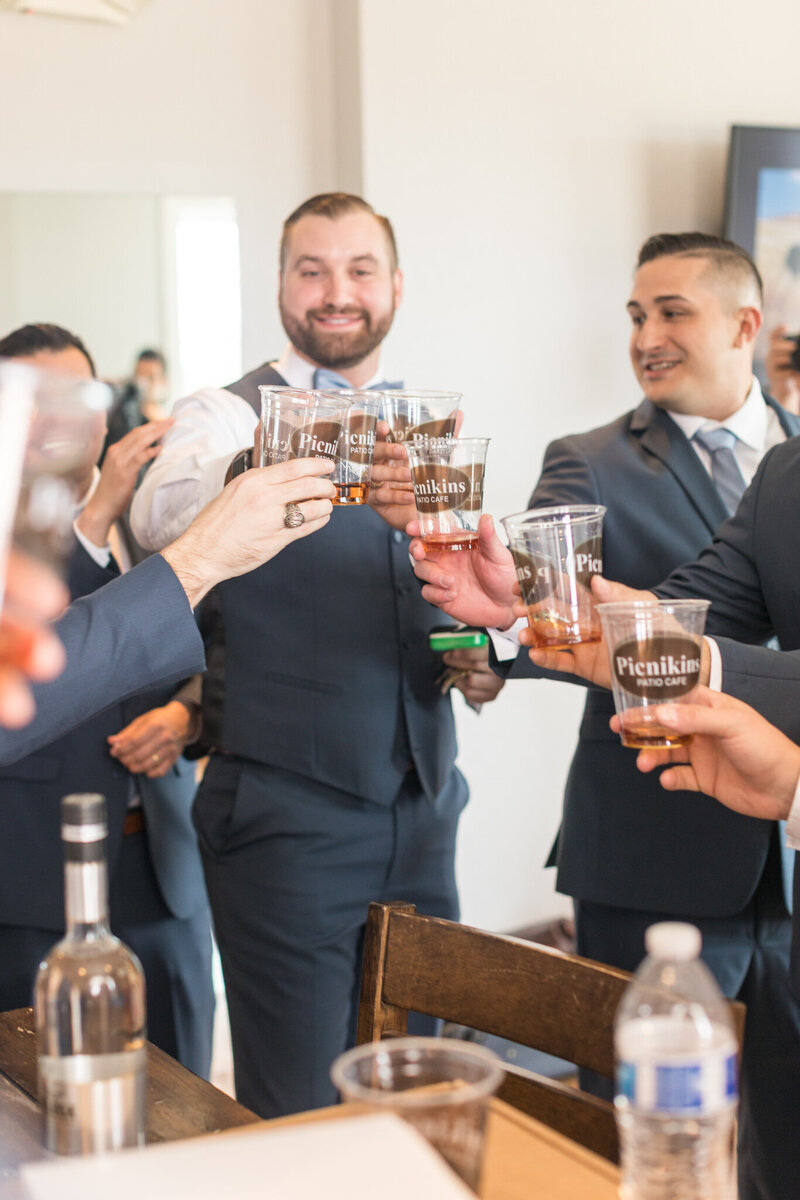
(291, 867)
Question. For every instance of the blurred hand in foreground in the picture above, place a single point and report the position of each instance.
(29, 651)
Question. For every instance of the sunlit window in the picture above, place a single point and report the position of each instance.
(203, 280)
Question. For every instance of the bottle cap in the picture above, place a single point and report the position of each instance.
(673, 940)
(84, 813)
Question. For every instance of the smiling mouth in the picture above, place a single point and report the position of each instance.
(337, 320)
(659, 366)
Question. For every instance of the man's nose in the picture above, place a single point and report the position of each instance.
(649, 336)
(339, 289)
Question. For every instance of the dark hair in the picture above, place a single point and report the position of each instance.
(35, 339)
(725, 255)
(151, 355)
(334, 205)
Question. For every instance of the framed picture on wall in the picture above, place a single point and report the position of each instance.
(762, 214)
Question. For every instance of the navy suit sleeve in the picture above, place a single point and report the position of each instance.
(136, 633)
(768, 680)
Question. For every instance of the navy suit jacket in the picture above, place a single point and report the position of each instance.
(624, 841)
(138, 632)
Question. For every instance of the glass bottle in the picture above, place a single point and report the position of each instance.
(90, 1006)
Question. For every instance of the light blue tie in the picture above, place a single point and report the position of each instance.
(725, 472)
(324, 380)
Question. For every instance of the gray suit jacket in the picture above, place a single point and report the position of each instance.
(624, 841)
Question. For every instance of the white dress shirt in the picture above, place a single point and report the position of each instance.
(211, 427)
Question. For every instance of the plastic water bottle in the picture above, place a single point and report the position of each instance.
(677, 1087)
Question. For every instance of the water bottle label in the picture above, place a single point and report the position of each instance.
(694, 1088)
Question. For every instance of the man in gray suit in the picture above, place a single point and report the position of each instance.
(332, 781)
(628, 855)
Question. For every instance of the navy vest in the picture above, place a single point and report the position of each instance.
(328, 672)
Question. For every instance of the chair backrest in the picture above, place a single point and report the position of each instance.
(535, 995)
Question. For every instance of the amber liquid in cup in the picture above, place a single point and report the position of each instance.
(463, 540)
(638, 733)
(351, 493)
(549, 632)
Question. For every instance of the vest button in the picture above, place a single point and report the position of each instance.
(398, 536)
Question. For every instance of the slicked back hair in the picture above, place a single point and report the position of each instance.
(723, 255)
(37, 339)
(334, 205)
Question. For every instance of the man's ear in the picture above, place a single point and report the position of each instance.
(398, 287)
(750, 321)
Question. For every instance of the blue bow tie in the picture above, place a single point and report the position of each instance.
(324, 380)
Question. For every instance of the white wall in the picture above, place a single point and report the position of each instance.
(111, 295)
(524, 150)
(198, 97)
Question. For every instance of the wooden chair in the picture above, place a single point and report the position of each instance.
(540, 997)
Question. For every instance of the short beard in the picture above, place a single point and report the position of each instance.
(336, 350)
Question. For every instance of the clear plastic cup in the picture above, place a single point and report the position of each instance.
(654, 651)
(65, 436)
(419, 416)
(356, 444)
(447, 478)
(441, 1086)
(296, 423)
(556, 551)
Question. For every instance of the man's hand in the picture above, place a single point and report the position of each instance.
(589, 659)
(474, 586)
(734, 755)
(29, 652)
(243, 526)
(121, 465)
(481, 684)
(390, 492)
(151, 744)
(784, 381)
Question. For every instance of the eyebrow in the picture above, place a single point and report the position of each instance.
(669, 299)
(313, 258)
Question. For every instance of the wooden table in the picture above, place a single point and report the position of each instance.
(523, 1157)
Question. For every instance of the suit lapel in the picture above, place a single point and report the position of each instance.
(662, 438)
(790, 424)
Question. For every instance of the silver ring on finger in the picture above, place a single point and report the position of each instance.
(293, 516)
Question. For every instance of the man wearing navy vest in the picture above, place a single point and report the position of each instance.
(332, 782)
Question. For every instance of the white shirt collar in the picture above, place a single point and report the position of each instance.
(300, 374)
(749, 422)
(80, 504)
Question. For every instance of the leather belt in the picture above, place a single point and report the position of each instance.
(134, 822)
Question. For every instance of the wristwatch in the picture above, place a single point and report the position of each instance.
(241, 463)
